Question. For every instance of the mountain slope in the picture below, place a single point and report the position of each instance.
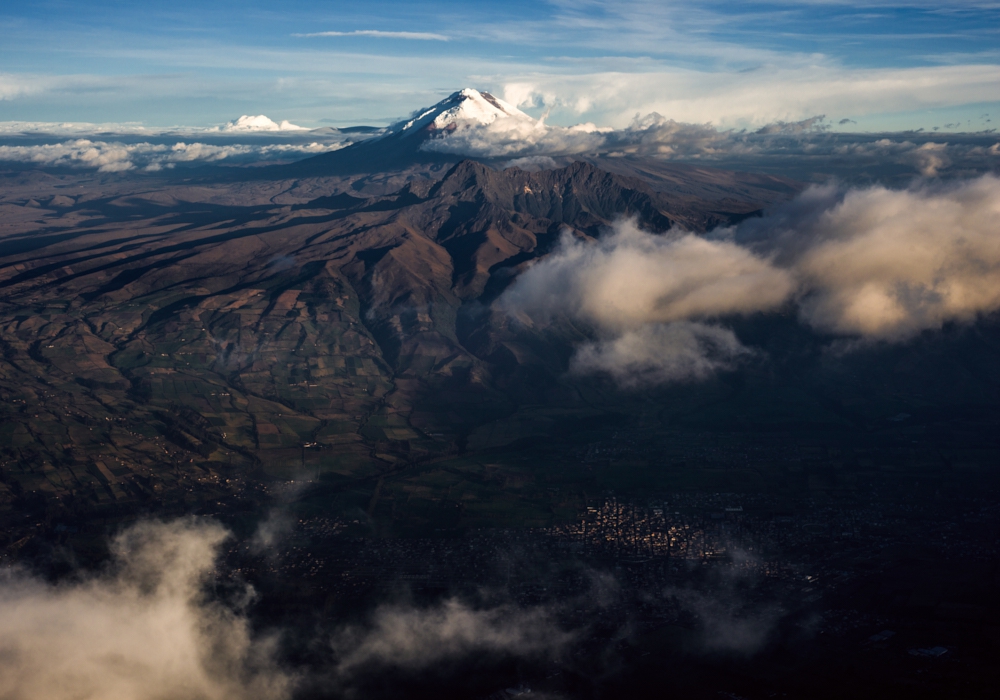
(402, 148)
(187, 334)
(341, 320)
(402, 143)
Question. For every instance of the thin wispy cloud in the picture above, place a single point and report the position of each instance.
(417, 36)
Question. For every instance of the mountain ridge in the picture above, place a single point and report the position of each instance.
(378, 302)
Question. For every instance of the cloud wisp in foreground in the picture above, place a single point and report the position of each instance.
(648, 298)
(872, 263)
(142, 630)
(661, 353)
(412, 638)
(145, 628)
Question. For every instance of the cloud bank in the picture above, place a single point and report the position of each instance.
(652, 135)
(806, 149)
(111, 156)
(803, 144)
(753, 98)
(143, 630)
(887, 264)
(871, 263)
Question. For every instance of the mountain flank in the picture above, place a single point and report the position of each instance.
(331, 311)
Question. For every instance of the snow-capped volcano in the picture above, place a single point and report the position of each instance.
(260, 123)
(425, 137)
(467, 106)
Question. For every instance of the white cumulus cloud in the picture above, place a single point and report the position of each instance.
(640, 293)
(887, 264)
(631, 278)
(870, 263)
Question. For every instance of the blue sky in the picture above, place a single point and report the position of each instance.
(880, 65)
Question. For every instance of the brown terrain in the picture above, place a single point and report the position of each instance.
(324, 350)
(165, 334)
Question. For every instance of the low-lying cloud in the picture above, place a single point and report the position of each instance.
(727, 620)
(661, 353)
(872, 263)
(412, 638)
(632, 277)
(13, 86)
(110, 156)
(142, 630)
(644, 295)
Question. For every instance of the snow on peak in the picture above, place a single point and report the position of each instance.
(475, 106)
(260, 123)
(466, 106)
